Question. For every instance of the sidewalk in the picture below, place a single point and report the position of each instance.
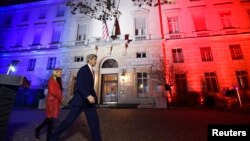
(133, 124)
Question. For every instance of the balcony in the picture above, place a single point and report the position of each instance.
(202, 34)
(140, 37)
(175, 36)
(81, 43)
(31, 47)
(231, 31)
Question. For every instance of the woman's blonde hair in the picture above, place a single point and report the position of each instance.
(55, 71)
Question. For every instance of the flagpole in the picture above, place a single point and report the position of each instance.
(163, 44)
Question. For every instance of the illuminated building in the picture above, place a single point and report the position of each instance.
(208, 40)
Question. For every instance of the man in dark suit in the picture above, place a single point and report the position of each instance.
(84, 99)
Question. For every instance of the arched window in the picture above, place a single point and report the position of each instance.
(110, 63)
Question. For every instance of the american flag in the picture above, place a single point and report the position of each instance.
(105, 32)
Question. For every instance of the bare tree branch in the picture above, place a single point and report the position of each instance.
(162, 74)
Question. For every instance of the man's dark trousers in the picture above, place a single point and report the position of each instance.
(75, 111)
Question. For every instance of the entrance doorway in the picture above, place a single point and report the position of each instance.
(109, 88)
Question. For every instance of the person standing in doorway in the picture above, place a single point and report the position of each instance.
(84, 99)
(53, 103)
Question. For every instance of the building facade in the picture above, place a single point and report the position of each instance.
(207, 40)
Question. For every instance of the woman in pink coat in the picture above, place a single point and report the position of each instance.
(53, 102)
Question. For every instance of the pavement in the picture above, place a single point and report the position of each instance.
(131, 124)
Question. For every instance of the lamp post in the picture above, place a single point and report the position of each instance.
(12, 66)
(123, 79)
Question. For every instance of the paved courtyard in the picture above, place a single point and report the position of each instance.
(175, 124)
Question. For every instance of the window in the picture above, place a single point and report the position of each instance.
(211, 81)
(248, 12)
(43, 14)
(51, 63)
(140, 55)
(140, 28)
(78, 59)
(173, 25)
(56, 34)
(8, 21)
(81, 33)
(236, 52)
(242, 78)
(110, 63)
(31, 65)
(60, 11)
(38, 35)
(181, 83)
(169, 1)
(199, 21)
(3, 38)
(138, 3)
(25, 17)
(226, 20)
(206, 54)
(20, 36)
(177, 55)
(142, 84)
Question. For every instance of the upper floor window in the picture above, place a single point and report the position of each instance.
(38, 34)
(42, 14)
(211, 81)
(236, 52)
(51, 63)
(8, 21)
(31, 65)
(248, 12)
(56, 34)
(170, 1)
(242, 78)
(78, 59)
(141, 55)
(177, 55)
(60, 11)
(81, 33)
(26, 17)
(140, 26)
(142, 84)
(199, 21)
(20, 36)
(226, 19)
(3, 38)
(173, 25)
(206, 54)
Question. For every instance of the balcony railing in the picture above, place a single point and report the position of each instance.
(202, 33)
(31, 47)
(140, 37)
(175, 36)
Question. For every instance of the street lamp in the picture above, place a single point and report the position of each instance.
(12, 66)
(123, 75)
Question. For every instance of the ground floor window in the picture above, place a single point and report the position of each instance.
(142, 84)
(242, 78)
(211, 81)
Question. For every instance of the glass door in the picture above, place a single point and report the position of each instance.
(109, 88)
